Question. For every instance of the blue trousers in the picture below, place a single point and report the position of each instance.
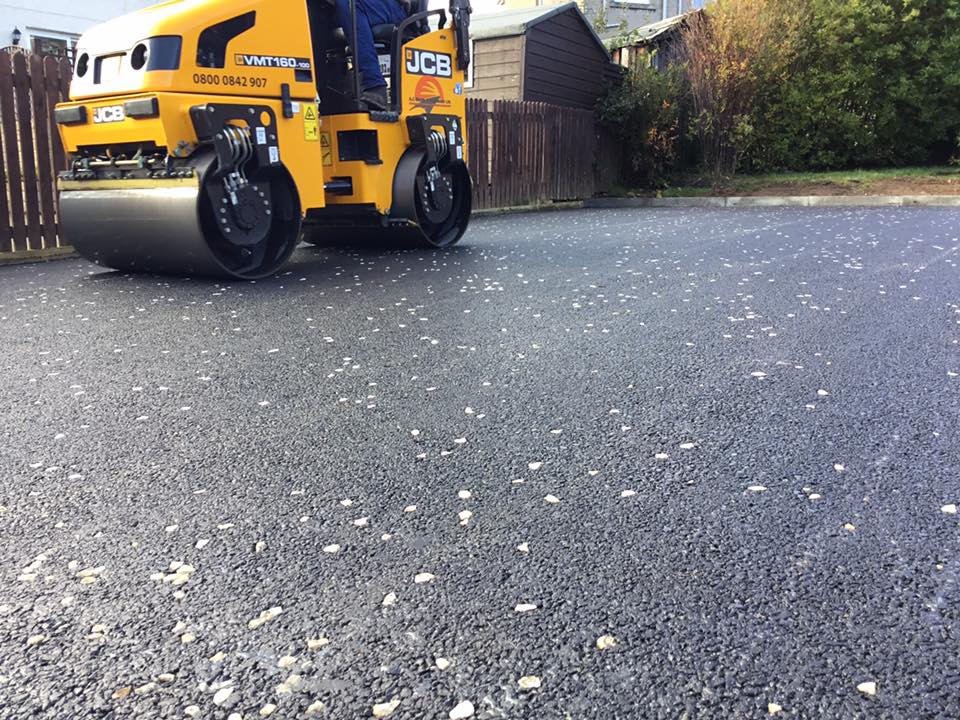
(369, 13)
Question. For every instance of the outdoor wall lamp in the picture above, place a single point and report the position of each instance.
(16, 35)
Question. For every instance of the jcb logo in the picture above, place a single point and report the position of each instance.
(108, 114)
(424, 62)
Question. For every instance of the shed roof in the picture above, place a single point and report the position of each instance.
(512, 22)
(648, 33)
(516, 22)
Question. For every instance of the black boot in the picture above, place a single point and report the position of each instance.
(376, 98)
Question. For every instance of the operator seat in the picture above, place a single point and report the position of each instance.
(383, 34)
(332, 54)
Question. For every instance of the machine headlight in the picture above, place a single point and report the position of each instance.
(139, 55)
(157, 53)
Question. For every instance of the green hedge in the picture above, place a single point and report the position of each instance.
(861, 83)
(875, 83)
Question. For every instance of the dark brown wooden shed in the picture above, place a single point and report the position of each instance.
(544, 54)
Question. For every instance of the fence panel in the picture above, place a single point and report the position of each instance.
(529, 153)
(30, 150)
(45, 177)
(477, 119)
(16, 235)
(28, 159)
(6, 231)
(63, 73)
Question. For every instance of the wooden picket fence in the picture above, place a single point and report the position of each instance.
(30, 151)
(531, 153)
(520, 153)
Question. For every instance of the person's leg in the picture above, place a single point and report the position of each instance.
(364, 52)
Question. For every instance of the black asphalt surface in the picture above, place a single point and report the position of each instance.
(778, 389)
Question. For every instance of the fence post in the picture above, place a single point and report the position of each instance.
(8, 119)
(41, 123)
(496, 186)
(510, 146)
(488, 152)
(471, 158)
(6, 230)
(28, 160)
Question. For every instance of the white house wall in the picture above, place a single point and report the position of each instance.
(63, 19)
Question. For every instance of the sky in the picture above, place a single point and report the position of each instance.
(480, 7)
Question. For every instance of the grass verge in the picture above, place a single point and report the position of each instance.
(887, 181)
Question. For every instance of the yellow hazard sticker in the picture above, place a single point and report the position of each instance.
(311, 126)
(326, 149)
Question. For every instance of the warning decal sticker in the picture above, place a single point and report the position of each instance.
(311, 125)
(326, 149)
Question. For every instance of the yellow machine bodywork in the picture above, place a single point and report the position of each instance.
(232, 98)
(436, 94)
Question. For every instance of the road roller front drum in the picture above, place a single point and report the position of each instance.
(170, 226)
(229, 210)
(255, 235)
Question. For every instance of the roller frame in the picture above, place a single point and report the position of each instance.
(156, 225)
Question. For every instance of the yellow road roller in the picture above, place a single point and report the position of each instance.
(208, 137)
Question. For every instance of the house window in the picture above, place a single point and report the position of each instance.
(57, 47)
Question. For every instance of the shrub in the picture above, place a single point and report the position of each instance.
(875, 82)
(643, 115)
(735, 52)
(772, 85)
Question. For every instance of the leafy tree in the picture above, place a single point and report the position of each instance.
(733, 53)
(600, 18)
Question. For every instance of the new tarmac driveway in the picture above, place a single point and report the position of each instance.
(590, 464)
